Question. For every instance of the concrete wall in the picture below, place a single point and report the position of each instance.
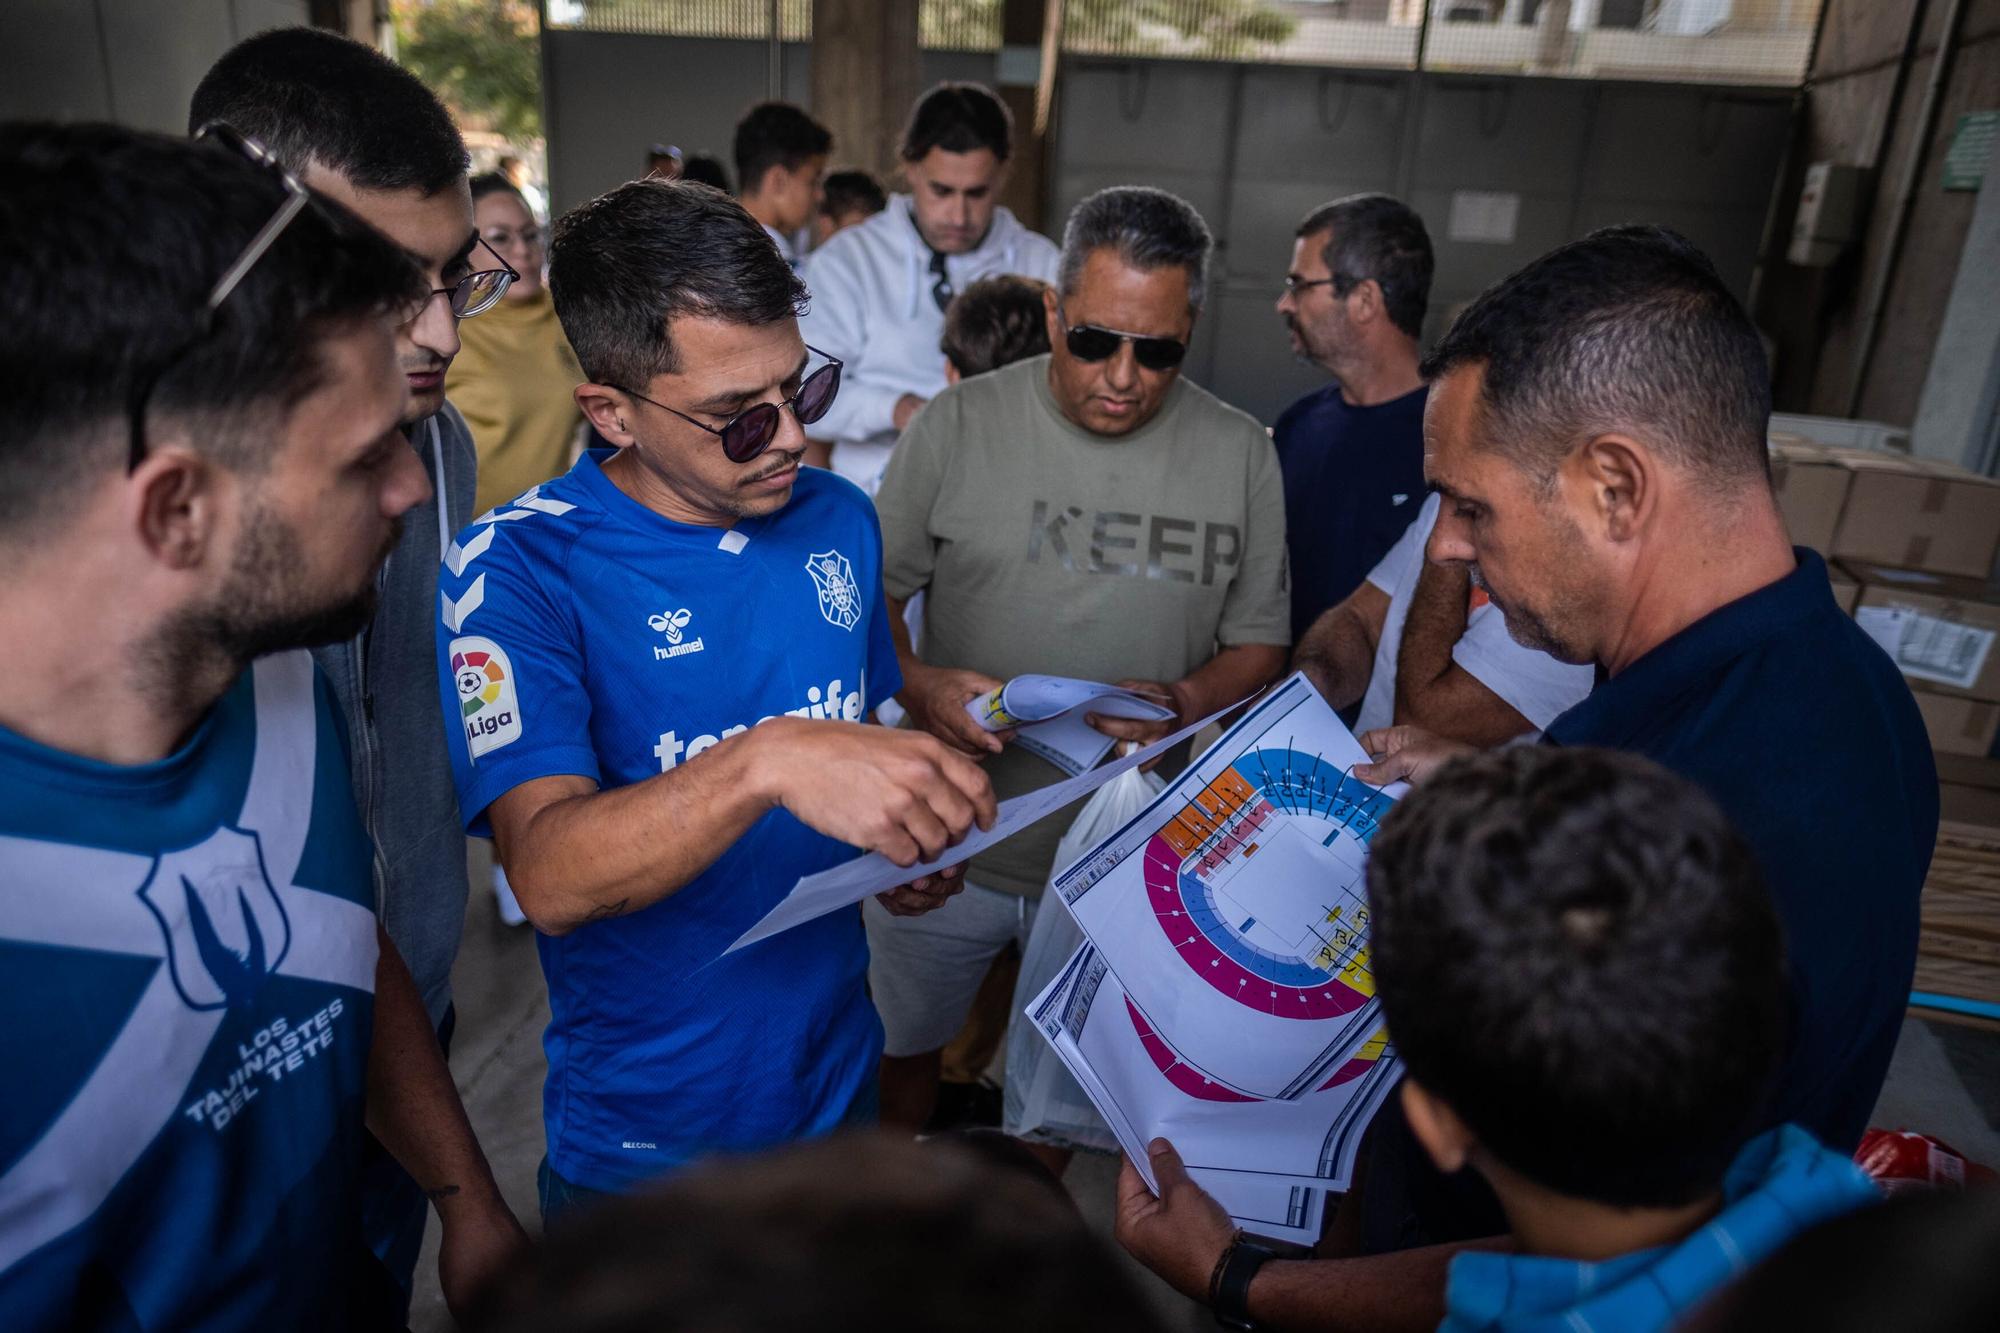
(1255, 148)
(132, 61)
(1816, 315)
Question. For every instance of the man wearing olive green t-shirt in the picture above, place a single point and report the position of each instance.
(1086, 513)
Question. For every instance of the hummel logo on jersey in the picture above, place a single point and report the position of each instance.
(671, 624)
(839, 594)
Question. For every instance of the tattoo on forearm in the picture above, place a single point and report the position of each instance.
(603, 910)
(441, 1193)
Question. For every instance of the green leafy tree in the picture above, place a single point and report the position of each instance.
(481, 57)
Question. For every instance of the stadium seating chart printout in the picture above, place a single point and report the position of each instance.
(1224, 999)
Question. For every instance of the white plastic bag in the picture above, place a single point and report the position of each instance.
(1043, 1103)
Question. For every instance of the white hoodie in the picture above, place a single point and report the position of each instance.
(872, 307)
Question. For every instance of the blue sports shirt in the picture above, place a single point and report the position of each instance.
(584, 633)
(187, 971)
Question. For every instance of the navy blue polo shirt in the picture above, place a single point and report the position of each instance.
(1805, 734)
(1354, 479)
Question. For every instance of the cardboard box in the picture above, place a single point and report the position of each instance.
(1965, 770)
(1812, 489)
(1941, 630)
(1959, 804)
(1958, 725)
(1916, 513)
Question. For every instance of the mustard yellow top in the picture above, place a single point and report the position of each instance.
(512, 380)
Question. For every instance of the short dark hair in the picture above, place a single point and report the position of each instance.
(1632, 329)
(995, 322)
(1376, 236)
(316, 98)
(492, 182)
(623, 266)
(114, 240)
(776, 134)
(857, 1233)
(1575, 951)
(852, 192)
(958, 118)
(704, 170)
(1148, 228)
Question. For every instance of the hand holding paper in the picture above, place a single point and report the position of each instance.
(1051, 713)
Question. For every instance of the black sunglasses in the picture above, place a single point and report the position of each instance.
(296, 198)
(475, 292)
(1088, 342)
(750, 432)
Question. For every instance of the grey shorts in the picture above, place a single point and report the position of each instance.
(924, 970)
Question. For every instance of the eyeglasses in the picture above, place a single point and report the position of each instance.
(1341, 283)
(296, 198)
(750, 432)
(1088, 342)
(474, 293)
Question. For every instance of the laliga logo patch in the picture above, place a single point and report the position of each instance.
(839, 595)
(226, 930)
(487, 705)
(671, 624)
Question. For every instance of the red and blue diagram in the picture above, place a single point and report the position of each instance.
(1257, 882)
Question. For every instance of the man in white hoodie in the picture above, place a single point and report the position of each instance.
(879, 290)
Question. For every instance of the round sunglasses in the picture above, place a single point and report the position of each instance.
(750, 432)
(1089, 342)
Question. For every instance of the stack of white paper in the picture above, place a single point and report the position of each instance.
(1224, 998)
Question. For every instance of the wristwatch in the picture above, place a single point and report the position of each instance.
(1229, 1285)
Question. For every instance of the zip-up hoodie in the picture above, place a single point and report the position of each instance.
(872, 307)
(386, 681)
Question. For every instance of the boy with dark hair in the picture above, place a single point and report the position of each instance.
(859, 1234)
(781, 157)
(1581, 970)
(993, 323)
(200, 468)
(880, 290)
(846, 199)
(361, 130)
(1580, 967)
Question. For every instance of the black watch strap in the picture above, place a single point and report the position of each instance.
(1229, 1295)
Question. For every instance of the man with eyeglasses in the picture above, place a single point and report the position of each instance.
(1084, 513)
(359, 129)
(660, 664)
(880, 289)
(202, 475)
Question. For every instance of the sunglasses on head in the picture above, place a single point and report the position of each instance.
(1088, 342)
(750, 432)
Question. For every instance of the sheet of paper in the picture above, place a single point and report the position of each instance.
(855, 881)
(1233, 908)
(1928, 647)
(1145, 1091)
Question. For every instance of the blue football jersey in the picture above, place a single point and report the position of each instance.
(187, 973)
(583, 633)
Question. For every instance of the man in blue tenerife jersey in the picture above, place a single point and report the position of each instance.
(199, 466)
(660, 662)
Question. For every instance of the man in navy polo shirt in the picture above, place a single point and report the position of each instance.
(1353, 453)
(1597, 429)
(660, 663)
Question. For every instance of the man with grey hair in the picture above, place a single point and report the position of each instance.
(1084, 513)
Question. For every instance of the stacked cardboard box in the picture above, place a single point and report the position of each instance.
(1887, 509)
(1958, 947)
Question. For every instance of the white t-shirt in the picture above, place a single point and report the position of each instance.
(1534, 684)
(872, 307)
